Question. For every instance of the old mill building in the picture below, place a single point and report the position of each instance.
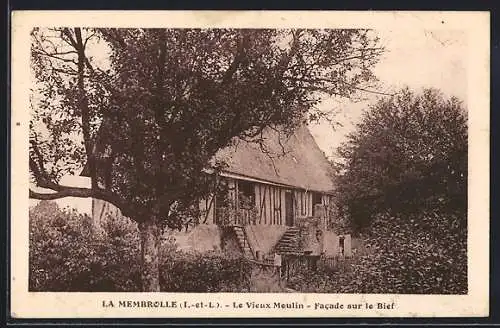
(273, 194)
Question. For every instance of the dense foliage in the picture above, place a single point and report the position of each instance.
(402, 186)
(407, 155)
(208, 272)
(67, 254)
(405, 258)
(166, 100)
(147, 119)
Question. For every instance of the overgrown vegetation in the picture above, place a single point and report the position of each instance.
(406, 257)
(68, 254)
(402, 185)
(147, 120)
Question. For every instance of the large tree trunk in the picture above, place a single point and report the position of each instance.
(150, 242)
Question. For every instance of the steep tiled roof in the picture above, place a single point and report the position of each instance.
(297, 159)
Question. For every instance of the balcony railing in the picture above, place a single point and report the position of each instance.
(231, 217)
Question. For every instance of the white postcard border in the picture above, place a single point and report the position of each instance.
(26, 304)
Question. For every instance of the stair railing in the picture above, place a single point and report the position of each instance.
(246, 242)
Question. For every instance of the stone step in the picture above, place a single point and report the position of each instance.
(288, 241)
(287, 245)
(286, 248)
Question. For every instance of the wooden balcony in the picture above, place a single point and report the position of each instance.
(235, 217)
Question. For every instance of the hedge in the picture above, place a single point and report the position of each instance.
(67, 254)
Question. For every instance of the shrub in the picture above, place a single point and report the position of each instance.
(68, 254)
(424, 254)
(207, 272)
(312, 281)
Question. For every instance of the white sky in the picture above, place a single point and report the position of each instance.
(414, 58)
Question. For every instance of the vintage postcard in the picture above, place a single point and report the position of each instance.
(249, 164)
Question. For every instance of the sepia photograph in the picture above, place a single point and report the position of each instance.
(252, 160)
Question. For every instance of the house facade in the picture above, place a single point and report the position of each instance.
(285, 183)
(274, 190)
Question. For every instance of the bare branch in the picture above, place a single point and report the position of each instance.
(44, 181)
(323, 80)
(266, 152)
(98, 193)
(66, 192)
(283, 151)
(83, 103)
(54, 55)
(64, 52)
(66, 32)
(89, 37)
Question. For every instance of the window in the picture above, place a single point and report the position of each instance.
(316, 199)
(246, 194)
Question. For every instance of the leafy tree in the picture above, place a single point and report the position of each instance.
(407, 155)
(165, 100)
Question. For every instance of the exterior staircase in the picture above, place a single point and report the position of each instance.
(242, 239)
(289, 243)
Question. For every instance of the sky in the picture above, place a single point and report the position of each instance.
(414, 58)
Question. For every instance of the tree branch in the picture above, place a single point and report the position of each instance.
(323, 80)
(66, 191)
(44, 181)
(44, 53)
(240, 54)
(84, 106)
(88, 38)
(67, 33)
